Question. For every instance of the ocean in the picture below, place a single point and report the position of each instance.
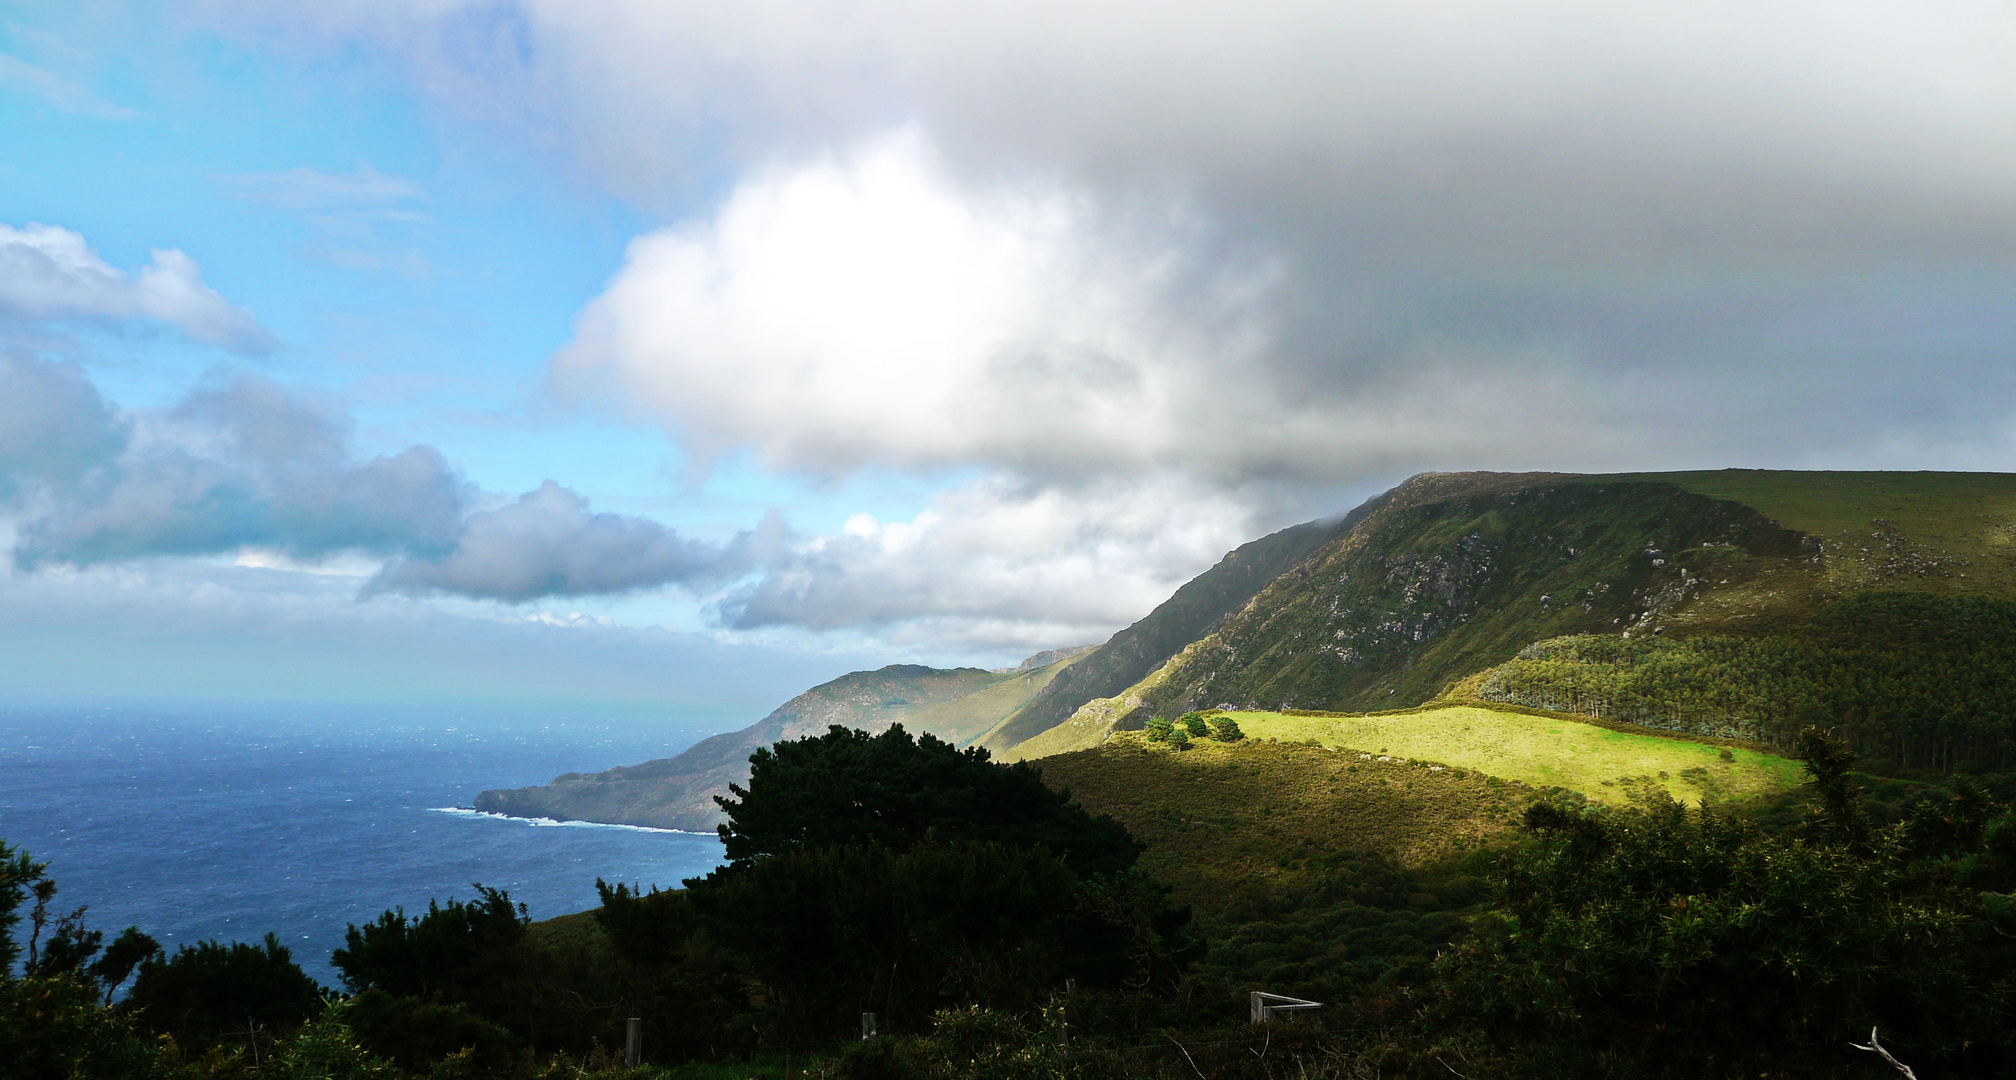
(226, 823)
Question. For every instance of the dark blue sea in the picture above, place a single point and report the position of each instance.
(225, 823)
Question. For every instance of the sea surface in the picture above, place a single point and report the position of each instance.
(227, 823)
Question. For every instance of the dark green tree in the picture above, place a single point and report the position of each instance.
(1838, 815)
(663, 966)
(454, 952)
(19, 876)
(1194, 725)
(121, 958)
(53, 1021)
(416, 1034)
(1226, 729)
(839, 930)
(849, 787)
(1674, 942)
(211, 993)
(57, 1028)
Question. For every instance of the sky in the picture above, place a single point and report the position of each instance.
(675, 356)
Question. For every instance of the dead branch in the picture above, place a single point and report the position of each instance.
(1876, 1046)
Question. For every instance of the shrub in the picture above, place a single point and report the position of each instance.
(1193, 724)
(850, 787)
(211, 993)
(1226, 729)
(1159, 729)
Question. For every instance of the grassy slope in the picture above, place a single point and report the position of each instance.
(1942, 532)
(1602, 764)
(1177, 621)
(1222, 820)
(964, 719)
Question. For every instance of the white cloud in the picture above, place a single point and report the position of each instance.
(548, 543)
(1542, 207)
(50, 274)
(865, 311)
(1510, 126)
(868, 310)
(1001, 565)
(1185, 250)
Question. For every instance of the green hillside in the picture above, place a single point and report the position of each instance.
(964, 719)
(1930, 531)
(1223, 820)
(1752, 603)
(1184, 617)
(1602, 764)
(1924, 679)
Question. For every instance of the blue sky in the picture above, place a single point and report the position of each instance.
(706, 352)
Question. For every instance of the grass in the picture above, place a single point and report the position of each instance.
(1225, 820)
(1604, 765)
(578, 932)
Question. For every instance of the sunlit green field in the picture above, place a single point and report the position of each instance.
(1605, 765)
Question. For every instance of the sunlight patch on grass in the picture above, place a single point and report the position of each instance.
(1607, 766)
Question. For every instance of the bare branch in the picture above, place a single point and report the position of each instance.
(1876, 1046)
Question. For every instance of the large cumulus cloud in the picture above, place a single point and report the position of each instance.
(1261, 255)
(1568, 233)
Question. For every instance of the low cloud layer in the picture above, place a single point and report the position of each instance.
(246, 465)
(50, 274)
(241, 464)
(548, 543)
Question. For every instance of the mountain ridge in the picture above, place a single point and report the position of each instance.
(1449, 575)
(678, 792)
(1433, 585)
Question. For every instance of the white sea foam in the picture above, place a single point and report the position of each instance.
(465, 811)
